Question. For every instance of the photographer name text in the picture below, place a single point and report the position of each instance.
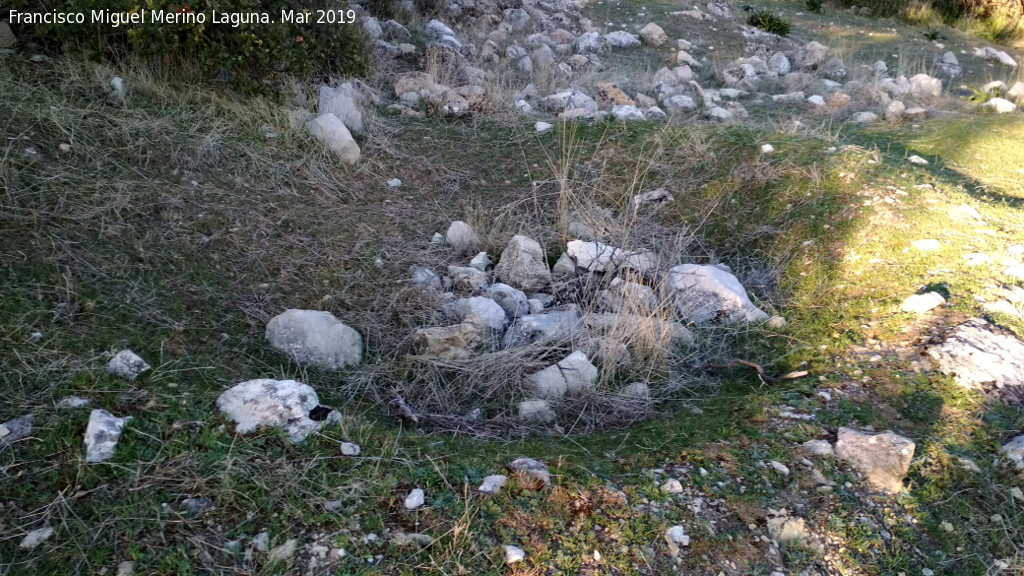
(234, 19)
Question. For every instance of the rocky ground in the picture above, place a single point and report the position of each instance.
(571, 288)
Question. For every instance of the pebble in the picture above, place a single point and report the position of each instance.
(780, 467)
(514, 554)
(493, 483)
(394, 183)
(672, 486)
(415, 499)
(350, 449)
(542, 127)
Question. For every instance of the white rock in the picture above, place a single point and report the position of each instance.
(705, 293)
(488, 310)
(522, 266)
(332, 132)
(816, 100)
(35, 538)
(989, 53)
(767, 149)
(621, 39)
(461, 237)
(676, 539)
(779, 64)
(437, 30)
(394, 182)
(514, 554)
(102, 435)
(921, 303)
(573, 373)
(73, 402)
(343, 106)
(1016, 93)
(999, 105)
(779, 467)
(926, 244)
(127, 364)
(864, 118)
(810, 56)
(542, 127)
(923, 86)
(315, 338)
(915, 159)
(819, 447)
(882, 458)
(672, 486)
(536, 410)
(543, 327)
(511, 300)
(350, 449)
(658, 196)
(679, 102)
(424, 277)
(283, 404)
(282, 553)
(978, 355)
(467, 278)
(718, 113)
(533, 468)
(415, 499)
(481, 262)
(627, 113)
(592, 256)
(493, 483)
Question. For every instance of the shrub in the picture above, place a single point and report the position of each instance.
(252, 55)
(815, 5)
(769, 22)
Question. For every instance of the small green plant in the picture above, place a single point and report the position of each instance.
(932, 34)
(980, 95)
(769, 22)
(815, 5)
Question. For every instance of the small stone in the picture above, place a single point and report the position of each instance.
(394, 183)
(767, 149)
(35, 337)
(282, 553)
(1017, 493)
(921, 303)
(127, 364)
(481, 262)
(102, 435)
(126, 568)
(915, 159)
(676, 539)
(261, 542)
(532, 468)
(536, 410)
(672, 486)
(461, 237)
(315, 338)
(514, 554)
(776, 322)
(72, 402)
(926, 245)
(542, 127)
(35, 538)
(780, 467)
(1014, 452)
(415, 499)
(493, 483)
(195, 506)
(350, 449)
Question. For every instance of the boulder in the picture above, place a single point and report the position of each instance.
(450, 342)
(978, 355)
(573, 373)
(522, 265)
(284, 404)
(653, 34)
(706, 293)
(102, 435)
(315, 338)
(127, 364)
(332, 132)
(883, 459)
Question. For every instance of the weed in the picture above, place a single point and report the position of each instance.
(932, 35)
(815, 6)
(769, 22)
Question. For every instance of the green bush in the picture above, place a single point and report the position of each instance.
(252, 55)
(815, 5)
(769, 22)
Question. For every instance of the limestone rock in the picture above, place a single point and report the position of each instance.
(676, 539)
(810, 56)
(102, 434)
(819, 447)
(415, 499)
(536, 411)
(706, 293)
(462, 237)
(653, 35)
(16, 429)
(621, 39)
(468, 279)
(548, 327)
(490, 313)
(786, 529)
(332, 132)
(980, 356)
(994, 55)
(924, 87)
(589, 43)
(315, 338)
(450, 342)
(522, 265)
(511, 300)
(864, 118)
(284, 404)
(36, 537)
(514, 554)
(493, 483)
(127, 364)
(572, 374)
(342, 105)
(532, 468)
(883, 459)
(921, 303)
(1014, 452)
(999, 105)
